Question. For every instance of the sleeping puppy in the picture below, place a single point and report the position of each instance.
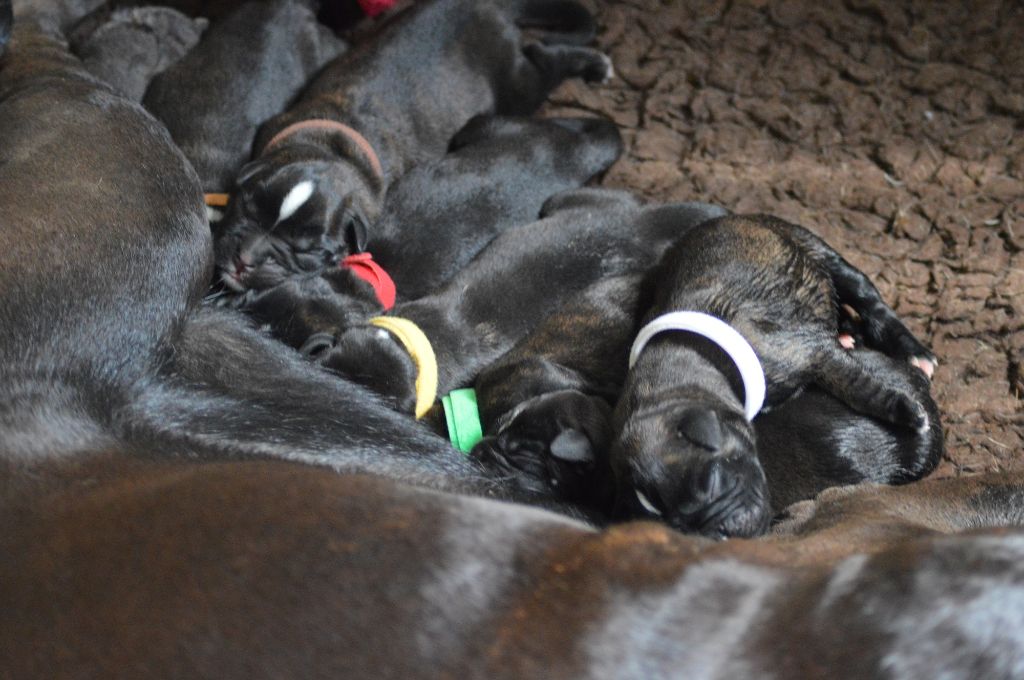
(105, 350)
(741, 293)
(135, 44)
(497, 175)
(393, 101)
(545, 409)
(247, 68)
(440, 214)
(511, 286)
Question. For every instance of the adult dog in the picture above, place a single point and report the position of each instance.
(246, 69)
(264, 570)
(391, 102)
(104, 348)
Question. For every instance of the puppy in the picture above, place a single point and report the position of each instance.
(105, 350)
(134, 45)
(441, 214)
(512, 285)
(394, 101)
(545, 409)
(684, 446)
(247, 68)
(497, 175)
(220, 563)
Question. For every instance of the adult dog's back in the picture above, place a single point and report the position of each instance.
(91, 294)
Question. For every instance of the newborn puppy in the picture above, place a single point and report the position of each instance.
(247, 68)
(684, 447)
(498, 174)
(134, 45)
(510, 287)
(105, 350)
(545, 410)
(392, 102)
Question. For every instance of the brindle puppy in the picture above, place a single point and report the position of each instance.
(546, 405)
(683, 446)
(219, 564)
(247, 68)
(393, 101)
(510, 287)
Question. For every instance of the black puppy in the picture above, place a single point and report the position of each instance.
(104, 349)
(439, 215)
(391, 102)
(511, 286)
(247, 68)
(135, 44)
(750, 292)
(498, 174)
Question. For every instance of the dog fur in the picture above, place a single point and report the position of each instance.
(134, 45)
(93, 363)
(247, 68)
(264, 570)
(407, 90)
(683, 446)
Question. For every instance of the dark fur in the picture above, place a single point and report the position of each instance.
(247, 68)
(407, 90)
(441, 214)
(257, 570)
(681, 439)
(498, 175)
(103, 346)
(6, 18)
(546, 413)
(511, 286)
(135, 44)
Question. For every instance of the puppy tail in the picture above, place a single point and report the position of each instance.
(6, 20)
(563, 22)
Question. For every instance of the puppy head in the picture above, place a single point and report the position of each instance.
(693, 463)
(291, 218)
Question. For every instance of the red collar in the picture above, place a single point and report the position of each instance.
(334, 126)
(363, 266)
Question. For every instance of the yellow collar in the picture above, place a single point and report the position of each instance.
(418, 347)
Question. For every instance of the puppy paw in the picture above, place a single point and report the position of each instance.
(926, 364)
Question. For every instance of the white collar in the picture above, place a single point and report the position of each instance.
(723, 335)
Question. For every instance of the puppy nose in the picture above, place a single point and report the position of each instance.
(722, 497)
(702, 428)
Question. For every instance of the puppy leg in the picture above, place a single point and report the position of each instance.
(870, 393)
(881, 327)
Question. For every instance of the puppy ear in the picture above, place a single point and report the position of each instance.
(249, 171)
(350, 227)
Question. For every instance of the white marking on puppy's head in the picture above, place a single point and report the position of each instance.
(298, 195)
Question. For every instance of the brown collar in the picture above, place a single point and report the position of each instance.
(335, 126)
